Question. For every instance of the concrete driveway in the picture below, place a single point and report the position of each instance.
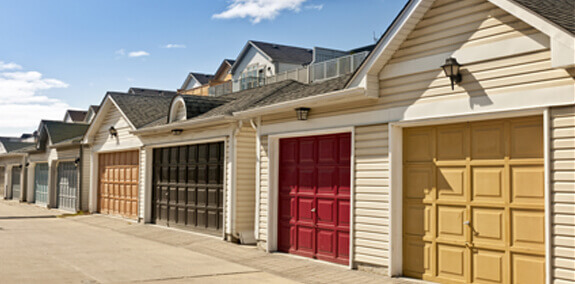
(38, 247)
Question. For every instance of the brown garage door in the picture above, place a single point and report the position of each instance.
(118, 189)
(188, 186)
(473, 202)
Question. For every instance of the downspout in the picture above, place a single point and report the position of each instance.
(235, 236)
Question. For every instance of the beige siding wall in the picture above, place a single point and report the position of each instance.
(124, 140)
(142, 184)
(563, 193)
(245, 181)
(454, 25)
(86, 178)
(264, 191)
(371, 204)
(228, 188)
(68, 154)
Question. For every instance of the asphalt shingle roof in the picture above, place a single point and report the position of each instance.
(285, 53)
(198, 105)
(560, 12)
(152, 92)
(60, 131)
(202, 78)
(11, 146)
(77, 115)
(142, 109)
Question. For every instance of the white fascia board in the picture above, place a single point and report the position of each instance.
(562, 42)
(187, 124)
(345, 94)
(406, 20)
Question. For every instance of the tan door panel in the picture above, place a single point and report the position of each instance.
(473, 202)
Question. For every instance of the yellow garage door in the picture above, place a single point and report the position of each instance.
(473, 202)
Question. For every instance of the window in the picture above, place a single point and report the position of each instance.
(252, 77)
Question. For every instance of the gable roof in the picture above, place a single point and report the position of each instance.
(59, 131)
(560, 12)
(145, 91)
(76, 115)
(12, 144)
(277, 52)
(224, 68)
(199, 77)
(141, 109)
(556, 12)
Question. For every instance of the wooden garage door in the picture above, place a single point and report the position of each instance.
(474, 202)
(314, 196)
(189, 186)
(118, 189)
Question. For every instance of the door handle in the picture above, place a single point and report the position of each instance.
(167, 193)
(313, 210)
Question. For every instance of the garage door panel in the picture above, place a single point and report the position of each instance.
(487, 224)
(487, 184)
(419, 145)
(489, 266)
(487, 141)
(451, 183)
(451, 262)
(314, 184)
(41, 172)
(526, 130)
(450, 223)
(418, 182)
(526, 229)
(452, 144)
(527, 268)
(527, 184)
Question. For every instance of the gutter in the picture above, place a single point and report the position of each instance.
(356, 93)
(185, 125)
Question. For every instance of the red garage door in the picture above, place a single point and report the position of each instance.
(314, 178)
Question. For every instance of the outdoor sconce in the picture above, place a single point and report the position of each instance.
(451, 69)
(113, 131)
(77, 162)
(27, 164)
(177, 131)
(20, 166)
(302, 113)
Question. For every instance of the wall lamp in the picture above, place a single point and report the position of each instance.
(77, 162)
(27, 164)
(177, 131)
(302, 113)
(451, 69)
(113, 131)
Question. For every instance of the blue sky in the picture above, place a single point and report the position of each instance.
(61, 54)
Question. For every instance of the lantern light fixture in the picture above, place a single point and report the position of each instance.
(113, 131)
(451, 69)
(77, 162)
(177, 131)
(302, 113)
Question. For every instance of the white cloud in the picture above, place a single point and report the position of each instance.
(174, 45)
(121, 52)
(9, 66)
(22, 105)
(257, 10)
(138, 53)
(314, 7)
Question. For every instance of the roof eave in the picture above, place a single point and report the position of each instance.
(344, 95)
(186, 124)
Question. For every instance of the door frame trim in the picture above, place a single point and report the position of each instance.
(396, 178)
(273, 177)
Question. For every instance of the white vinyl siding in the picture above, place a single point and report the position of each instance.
(371, 198)
(456, 26)
(228, 189)
(245, 182)
(125, 140)
(563, 193)
(264, 191)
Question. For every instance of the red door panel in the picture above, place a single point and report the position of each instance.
(314, 189)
